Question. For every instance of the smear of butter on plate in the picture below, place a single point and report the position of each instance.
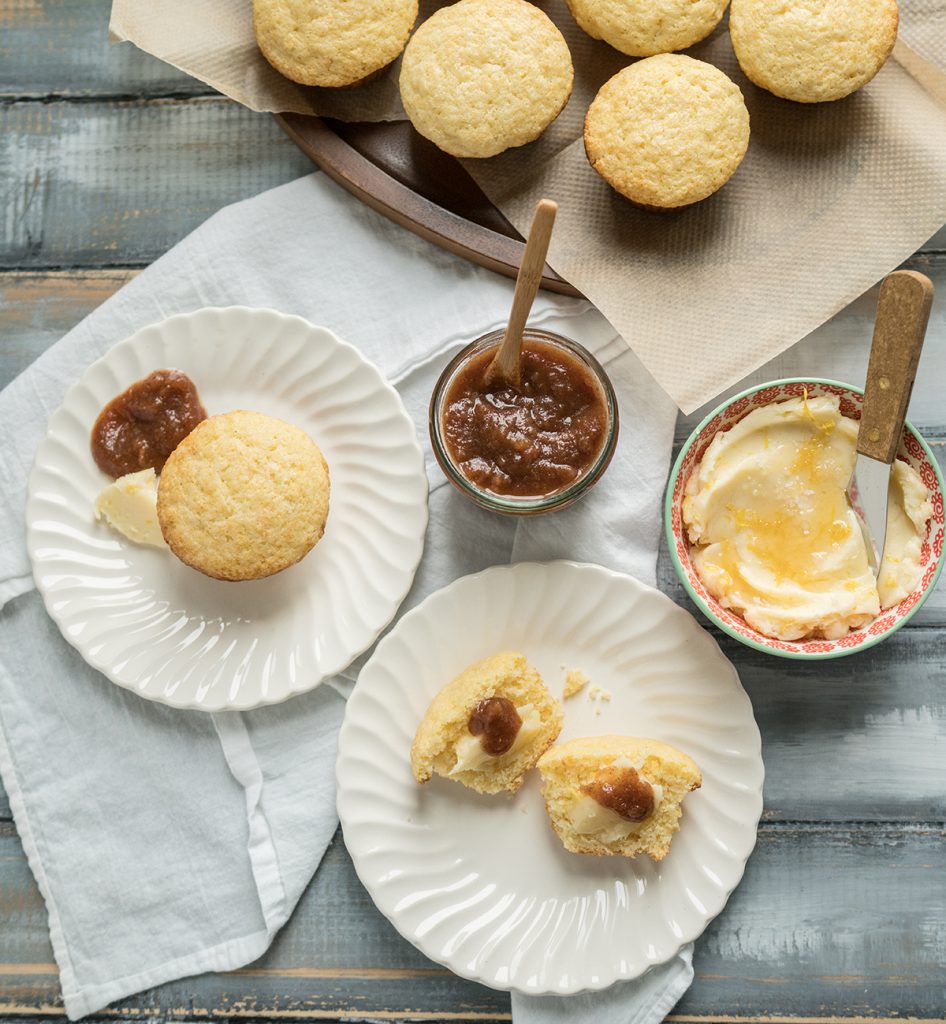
(130, 506)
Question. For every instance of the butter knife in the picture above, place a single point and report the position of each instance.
(903, 309)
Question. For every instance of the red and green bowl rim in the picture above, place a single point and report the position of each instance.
(728, 414)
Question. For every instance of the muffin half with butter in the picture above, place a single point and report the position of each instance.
(487, 727)
(617, 795)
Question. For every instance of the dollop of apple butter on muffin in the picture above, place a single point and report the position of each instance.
(616, 795)
(488, 726)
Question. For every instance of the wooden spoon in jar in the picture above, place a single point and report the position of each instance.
(506, 363)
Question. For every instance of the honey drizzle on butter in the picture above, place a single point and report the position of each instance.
(790, 541)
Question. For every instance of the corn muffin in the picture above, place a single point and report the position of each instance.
(641, 28)
(243, 496)
(813, 50)
(575, 682)
(335, 43)
(488, 726)
(483, 75)
(667, 131)
(616, 795)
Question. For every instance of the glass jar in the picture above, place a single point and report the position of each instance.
(515, 504)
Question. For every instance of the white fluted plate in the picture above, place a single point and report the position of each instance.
(156, 626)
(481, 883)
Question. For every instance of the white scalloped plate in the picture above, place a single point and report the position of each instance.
(155, 626)
(482, 884)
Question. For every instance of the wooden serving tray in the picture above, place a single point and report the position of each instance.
(400, 174)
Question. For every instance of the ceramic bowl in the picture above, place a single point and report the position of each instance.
(913, 450)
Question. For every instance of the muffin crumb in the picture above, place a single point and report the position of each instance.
(575, 682)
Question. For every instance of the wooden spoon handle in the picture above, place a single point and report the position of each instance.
(903, 310)
(505, 365)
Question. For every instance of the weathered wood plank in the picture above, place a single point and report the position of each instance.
(59, 47)
(937, 243)
(118, 183)
(36, 310)
(856, 739)
(828, 923)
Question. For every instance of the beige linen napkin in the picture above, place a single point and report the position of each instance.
(829, 198)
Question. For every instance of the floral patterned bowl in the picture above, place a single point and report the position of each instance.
(913, 450)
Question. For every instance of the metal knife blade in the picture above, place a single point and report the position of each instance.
(867, 492)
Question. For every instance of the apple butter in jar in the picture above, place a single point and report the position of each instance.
(531, 446)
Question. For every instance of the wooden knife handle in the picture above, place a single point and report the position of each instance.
(903, 310)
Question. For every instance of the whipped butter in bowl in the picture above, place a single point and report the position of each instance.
(764, 538)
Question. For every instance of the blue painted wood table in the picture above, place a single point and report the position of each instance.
(106, 159)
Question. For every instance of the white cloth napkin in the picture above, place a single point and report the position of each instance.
(169, 843)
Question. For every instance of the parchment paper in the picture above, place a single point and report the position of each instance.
(829, 198)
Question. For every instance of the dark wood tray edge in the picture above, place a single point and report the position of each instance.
(398, 203)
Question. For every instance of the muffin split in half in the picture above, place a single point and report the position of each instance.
(616, 795)
(488, 726)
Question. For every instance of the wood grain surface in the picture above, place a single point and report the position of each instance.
(792, 940)
(81, 185)
(106, 159)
